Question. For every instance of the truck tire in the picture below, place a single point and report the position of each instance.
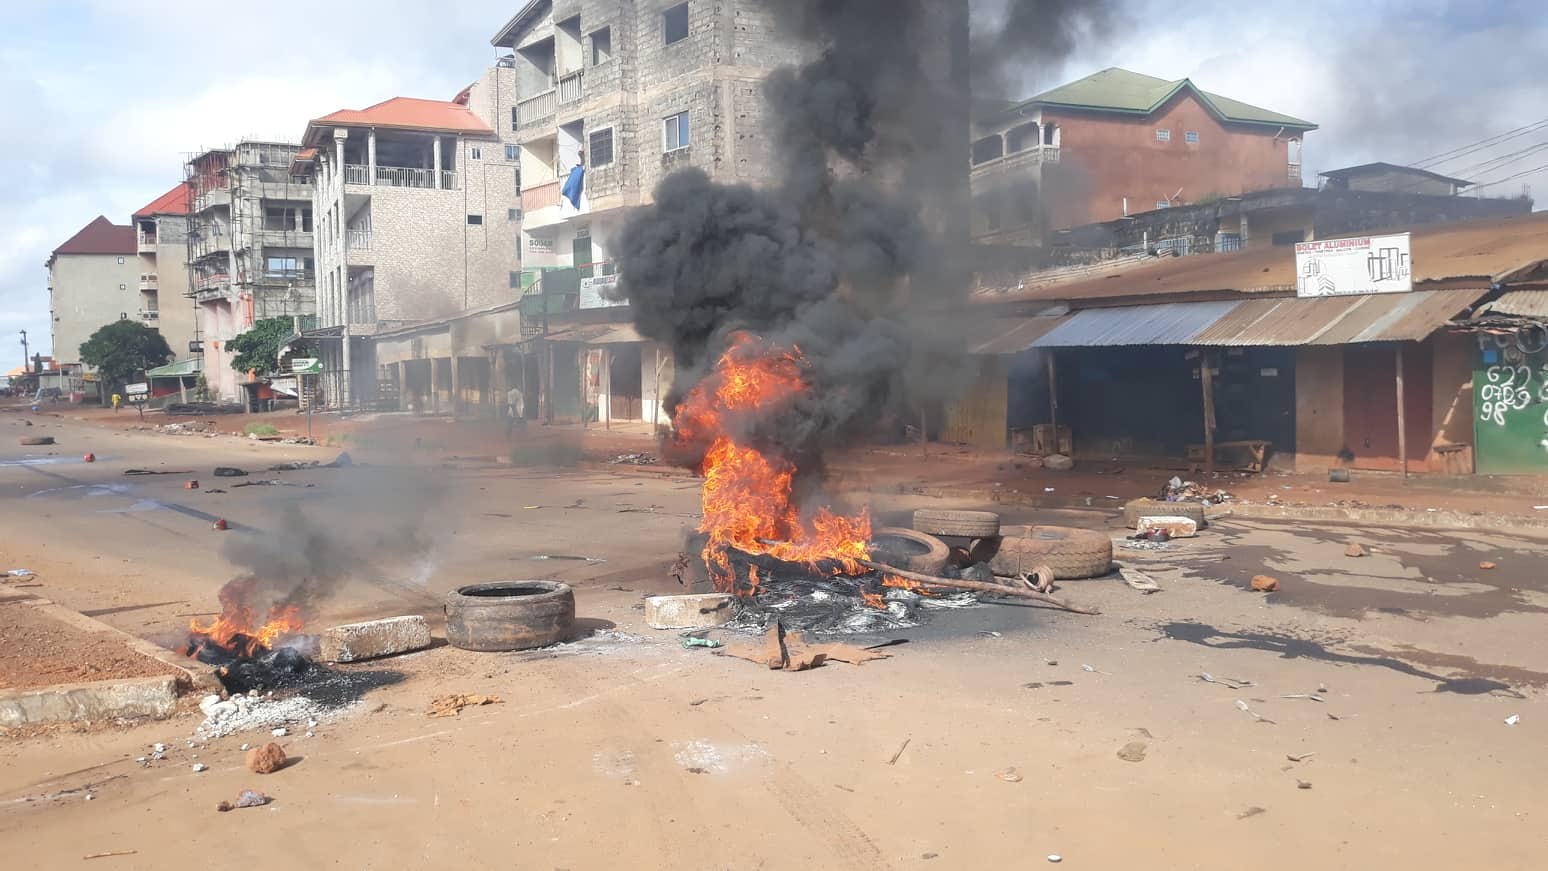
(510, 615)
(1138, 508)
(1070, 552)
(37, 440)
(963, 524)
(909, 550)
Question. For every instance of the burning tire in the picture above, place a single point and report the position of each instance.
(909, 550)
(1138, 508)
(964, 524)
(37, 440)
(510, 615)
(1070, 552)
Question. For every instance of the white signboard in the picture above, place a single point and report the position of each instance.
(305, 365)
(139, 388)
(540, 245)
(1343, 267)
(592, 290)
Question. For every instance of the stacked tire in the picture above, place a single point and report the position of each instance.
(1138, 508)
(1010, 550)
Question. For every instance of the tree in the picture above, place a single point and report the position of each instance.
(258, 348)
(122, 348)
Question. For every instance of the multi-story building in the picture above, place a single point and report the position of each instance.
(161, 240)
(249, 247)
(418, 211)
(1117, 143)
(93, 280)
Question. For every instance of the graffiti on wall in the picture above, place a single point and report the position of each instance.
(1510, 401)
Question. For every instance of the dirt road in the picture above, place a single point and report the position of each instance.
(627, 750)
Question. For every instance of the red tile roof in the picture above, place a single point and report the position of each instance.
(406, 113)
(100, 237)
(173, 202)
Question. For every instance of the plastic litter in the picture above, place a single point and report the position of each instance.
(1513, 719)
(702, 642)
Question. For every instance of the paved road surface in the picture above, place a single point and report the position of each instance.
(638, 753)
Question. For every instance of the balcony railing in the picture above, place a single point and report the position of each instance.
(536, 110)
(540, 197)
(357, 240)
(1036, 154)
(1294, 171)
(148, 281)
(571, 88)
(355, 173)
(150, 316)
(400, 176)
(146, 243)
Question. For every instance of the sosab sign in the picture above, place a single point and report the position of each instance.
(1344, 267)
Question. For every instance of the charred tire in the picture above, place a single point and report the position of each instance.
(37, 440)
(1138, 508)
(909, 550)
(966, 524)
(1070, 552)
(510, 615)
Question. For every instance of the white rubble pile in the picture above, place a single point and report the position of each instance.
(242, 713)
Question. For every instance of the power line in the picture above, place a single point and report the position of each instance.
(1538, 168)
(1506, 159)
(1461, 151)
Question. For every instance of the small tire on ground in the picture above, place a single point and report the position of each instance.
(966, 524)
(37, 440)
(932, 561)
(1071, 553)
(510, 615)
(1134, 510)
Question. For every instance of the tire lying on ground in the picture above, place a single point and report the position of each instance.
(37, 440)
(965, 524)
(909, 549)
(1070, 552)
(1134, 510)
(510, 615)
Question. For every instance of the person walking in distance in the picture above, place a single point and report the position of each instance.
(515, 412)
(116, 399)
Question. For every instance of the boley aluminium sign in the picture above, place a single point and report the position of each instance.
(1345, 267)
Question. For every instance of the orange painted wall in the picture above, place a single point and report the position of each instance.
(1116, 156)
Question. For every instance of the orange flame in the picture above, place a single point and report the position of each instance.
(237, 628)
(747, 492)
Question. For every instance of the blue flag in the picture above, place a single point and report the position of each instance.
(574, 186)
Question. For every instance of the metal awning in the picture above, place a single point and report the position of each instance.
(1278, 322)
(179, 369)
(597, 334)
(1015, 335)
(1174, 323)
(1521, 303)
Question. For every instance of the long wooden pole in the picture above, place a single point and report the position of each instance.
(1206, 378)
(1401, 423)
(978, 586)
(1053, 397)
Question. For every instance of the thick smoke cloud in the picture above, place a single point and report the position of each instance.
(858, 254)
(369, 524)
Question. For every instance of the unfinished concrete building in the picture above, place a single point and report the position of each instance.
(249, 247)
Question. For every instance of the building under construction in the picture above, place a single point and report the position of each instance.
(249, 248)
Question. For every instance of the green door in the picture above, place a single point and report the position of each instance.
(1510, 407)
(582, 250)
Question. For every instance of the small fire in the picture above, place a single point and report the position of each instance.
(238, 631)
(747, 491)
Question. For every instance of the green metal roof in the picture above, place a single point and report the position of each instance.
(191, 366)
(1119, 90)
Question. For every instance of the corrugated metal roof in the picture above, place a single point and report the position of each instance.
(1265, 322)
(1470, 253)
(1523, 303)
(1015, 335)
(1398, 317)
(1167, 324)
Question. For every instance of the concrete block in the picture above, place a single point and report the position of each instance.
(689, 612)
(97, 700)
(373, 638)
(1176, 527)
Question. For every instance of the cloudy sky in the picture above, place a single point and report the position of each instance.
(102, 100)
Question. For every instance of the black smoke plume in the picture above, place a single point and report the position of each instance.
(858, 252)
